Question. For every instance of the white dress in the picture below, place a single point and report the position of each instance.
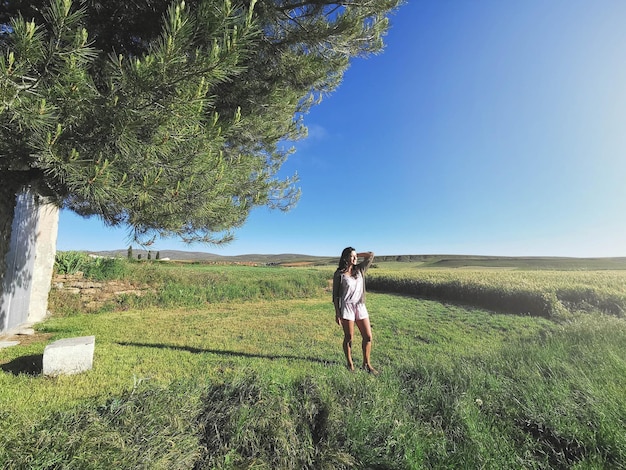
(352, 296)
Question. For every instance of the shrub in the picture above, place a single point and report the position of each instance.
(103, 269)
(70, 262)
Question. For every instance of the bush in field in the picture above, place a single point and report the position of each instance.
(102, 269)
(70, 262)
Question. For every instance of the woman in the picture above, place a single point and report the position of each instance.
(349, 301)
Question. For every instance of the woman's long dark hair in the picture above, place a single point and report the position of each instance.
(344, 261)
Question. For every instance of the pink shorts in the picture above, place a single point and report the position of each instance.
(354, 312)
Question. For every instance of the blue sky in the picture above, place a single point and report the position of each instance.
(484, 128)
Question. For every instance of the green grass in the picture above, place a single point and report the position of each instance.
(259, 382)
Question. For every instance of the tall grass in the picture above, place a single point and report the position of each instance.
(260, 384)
(191, 285)
(198, 285)
(131, 431)
(550, 294)
(70, 262)
(97, 268)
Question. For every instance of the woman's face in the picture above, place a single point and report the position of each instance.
(353, 258)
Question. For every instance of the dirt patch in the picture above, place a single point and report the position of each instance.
(26, 339)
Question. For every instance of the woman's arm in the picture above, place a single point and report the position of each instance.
(336, 296)
(368, 258)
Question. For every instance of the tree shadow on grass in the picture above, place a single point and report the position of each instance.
(29, 365)
(229, 353)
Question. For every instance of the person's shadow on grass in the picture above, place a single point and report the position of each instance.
(228, 353)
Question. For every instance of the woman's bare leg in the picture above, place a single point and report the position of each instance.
(348, 332)
(366, 333)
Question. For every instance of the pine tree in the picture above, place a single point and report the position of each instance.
(167, 118)
(178, 133)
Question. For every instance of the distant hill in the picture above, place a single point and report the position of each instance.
(171, 254)
(179, 255)
(424, 261)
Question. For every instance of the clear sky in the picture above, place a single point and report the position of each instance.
(485, 128)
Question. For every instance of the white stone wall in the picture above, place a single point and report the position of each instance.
(29, 262)
(45, 252)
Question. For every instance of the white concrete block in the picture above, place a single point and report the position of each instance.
(69, 356)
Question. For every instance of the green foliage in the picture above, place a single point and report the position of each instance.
(70, 262)
(167, 117)
(196, 287)
(102, 269)
(188, 286)
(97, 268)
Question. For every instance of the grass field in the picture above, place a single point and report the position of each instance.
(547, 293)
(241, 367)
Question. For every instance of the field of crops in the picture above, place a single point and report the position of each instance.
(546, 293)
